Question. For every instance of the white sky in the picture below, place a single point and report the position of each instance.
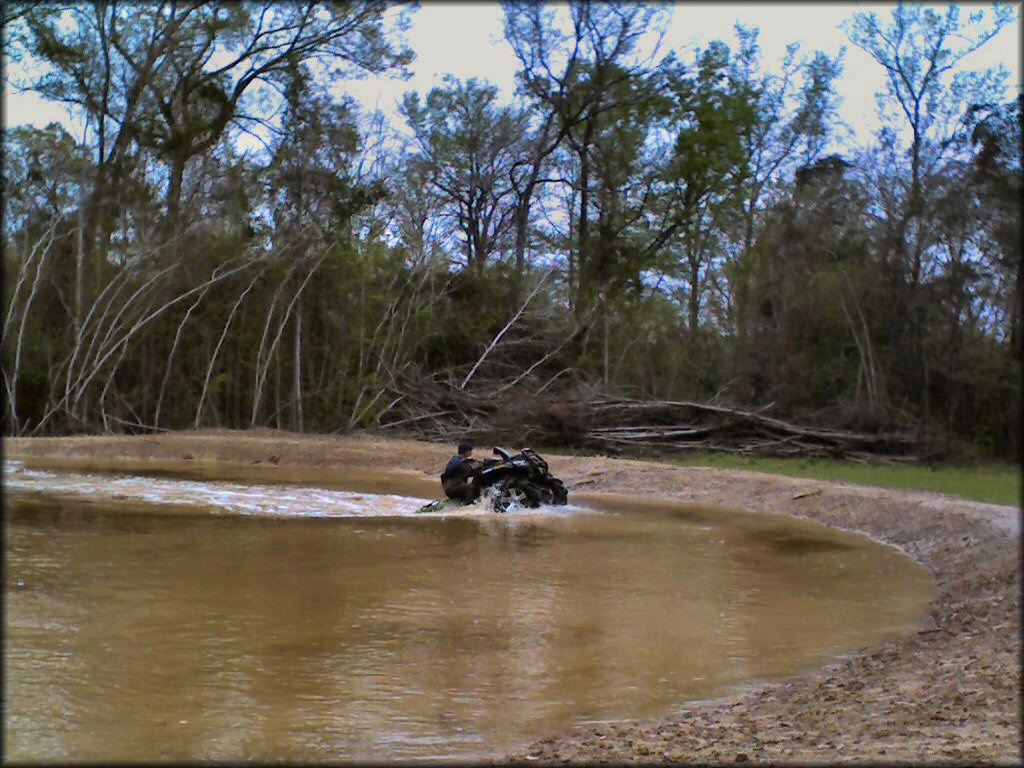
(466, 39)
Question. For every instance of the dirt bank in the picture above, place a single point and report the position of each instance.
(949, 693)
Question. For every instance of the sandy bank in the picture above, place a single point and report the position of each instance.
(949, 693)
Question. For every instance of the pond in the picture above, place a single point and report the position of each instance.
(168, 617)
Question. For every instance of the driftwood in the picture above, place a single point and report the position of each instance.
(683, 425)
(628, 426)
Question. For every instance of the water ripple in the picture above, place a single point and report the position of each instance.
(226, 497)
(233, 497)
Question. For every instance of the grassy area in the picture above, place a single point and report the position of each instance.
(994, 483)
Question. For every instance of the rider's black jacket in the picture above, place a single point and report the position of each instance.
(459, 468)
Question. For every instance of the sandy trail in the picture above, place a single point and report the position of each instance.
(948, 693)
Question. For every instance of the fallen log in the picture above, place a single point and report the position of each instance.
(439, 411)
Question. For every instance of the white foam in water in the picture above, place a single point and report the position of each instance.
(233, 498)
(236, 498)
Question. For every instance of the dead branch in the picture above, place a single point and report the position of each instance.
(497, 338)
(220, 343)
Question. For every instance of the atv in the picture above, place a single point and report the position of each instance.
(514, 481)
(520, 480)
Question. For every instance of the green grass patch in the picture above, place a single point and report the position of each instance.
(993, 483)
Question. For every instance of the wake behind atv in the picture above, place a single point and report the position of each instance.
(513, 481)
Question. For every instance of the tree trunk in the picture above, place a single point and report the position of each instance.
(173, 222)
(583, 259)
(693, 299)
(297, 394)
(1016, 335)
(522, 224)
(95, 205)
(604, 313)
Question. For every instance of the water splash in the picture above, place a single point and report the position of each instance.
(220, 496)
(230, 497)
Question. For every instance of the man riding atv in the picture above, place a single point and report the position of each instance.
(459, 473)
(512, 481)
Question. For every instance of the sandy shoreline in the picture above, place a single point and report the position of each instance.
(949, 693)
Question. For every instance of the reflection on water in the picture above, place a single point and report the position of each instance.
(131, 633)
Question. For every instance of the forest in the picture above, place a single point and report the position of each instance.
(642, 250)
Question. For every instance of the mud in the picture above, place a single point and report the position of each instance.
(947, 693)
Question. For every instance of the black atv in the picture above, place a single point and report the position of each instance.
(519, 480)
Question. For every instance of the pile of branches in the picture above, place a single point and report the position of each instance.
(432, 410)
(619, 425)
(662, 426)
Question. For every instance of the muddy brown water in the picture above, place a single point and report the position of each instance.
(213, 614)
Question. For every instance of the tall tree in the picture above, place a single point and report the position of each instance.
(998, 167)
(583, 67)
(471, 145)
(794, 116)
(919, 49)
(173, 76)
(710, 117)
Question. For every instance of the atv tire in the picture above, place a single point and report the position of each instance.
(510, 497)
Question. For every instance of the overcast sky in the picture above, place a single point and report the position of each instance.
(465, 39)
